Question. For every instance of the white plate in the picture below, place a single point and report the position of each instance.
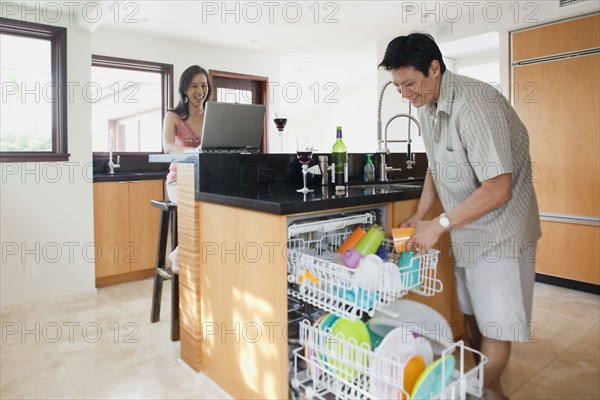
(397, 346)
(424, 349)
(416, 317)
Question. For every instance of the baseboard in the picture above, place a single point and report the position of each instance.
(568, 283)
(122, 278)
(48, 300)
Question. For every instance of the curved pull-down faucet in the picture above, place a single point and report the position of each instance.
(409, 155)
(382, 137)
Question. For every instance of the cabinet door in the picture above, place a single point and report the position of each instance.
(571, 251)
(111, 227)
(563, 37)
(143, 224)
(564, 133)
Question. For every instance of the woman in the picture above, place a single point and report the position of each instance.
(182, 126)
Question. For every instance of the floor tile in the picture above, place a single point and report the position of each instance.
(103, 346)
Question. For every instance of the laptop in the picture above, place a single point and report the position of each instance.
(231, 128)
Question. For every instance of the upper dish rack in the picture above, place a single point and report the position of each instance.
(317, 275)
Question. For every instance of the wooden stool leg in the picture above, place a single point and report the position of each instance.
(175, 308)
(175, 282)
(160, 265)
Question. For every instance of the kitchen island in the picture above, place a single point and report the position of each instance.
(233, 272)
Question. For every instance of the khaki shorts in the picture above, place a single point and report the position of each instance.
(499, 293)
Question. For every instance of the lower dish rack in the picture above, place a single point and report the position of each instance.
(317, 276)
(330, 366)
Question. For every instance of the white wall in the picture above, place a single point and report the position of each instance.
(46, 208)
(328, 92)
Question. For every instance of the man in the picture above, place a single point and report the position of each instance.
(480, 169)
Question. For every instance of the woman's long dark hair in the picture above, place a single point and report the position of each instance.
(185, 81)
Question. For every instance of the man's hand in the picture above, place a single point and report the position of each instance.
(426, 235)
(410, 222)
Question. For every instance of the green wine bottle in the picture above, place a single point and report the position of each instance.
(339, 157)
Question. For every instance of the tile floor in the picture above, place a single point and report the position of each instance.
(104, 347)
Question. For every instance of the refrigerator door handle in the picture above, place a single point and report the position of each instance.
(570, 219)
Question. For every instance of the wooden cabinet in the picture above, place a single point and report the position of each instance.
(560, 112)
(446, 302)
(125, 230)
(557, 38)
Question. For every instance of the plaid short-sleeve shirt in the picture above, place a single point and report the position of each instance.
(471, 136)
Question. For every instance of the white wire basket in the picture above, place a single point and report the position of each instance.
(318, 276)
(329, 366)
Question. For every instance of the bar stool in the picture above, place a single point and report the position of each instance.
(168, 219)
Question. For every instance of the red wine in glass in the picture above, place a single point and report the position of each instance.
(280, 123)
(304, 156)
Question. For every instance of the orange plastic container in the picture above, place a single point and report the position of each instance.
(352, 240)
(401, 236)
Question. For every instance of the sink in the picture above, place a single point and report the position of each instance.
(388, 187)
(407, 185)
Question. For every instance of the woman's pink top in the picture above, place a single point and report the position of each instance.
(184, 136)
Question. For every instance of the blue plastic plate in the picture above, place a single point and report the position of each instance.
(431, 382)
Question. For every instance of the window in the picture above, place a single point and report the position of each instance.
(33, 59)
(129, 99)
(486, 72)
(231, 95)
(231, 87)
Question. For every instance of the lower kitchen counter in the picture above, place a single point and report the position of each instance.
(233, 277)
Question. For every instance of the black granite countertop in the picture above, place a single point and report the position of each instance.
(120, 176)
(225, 180)
(281, 198)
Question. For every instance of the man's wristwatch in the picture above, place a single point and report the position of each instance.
(444, 222)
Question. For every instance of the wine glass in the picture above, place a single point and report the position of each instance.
(304, 156)
(280, 124)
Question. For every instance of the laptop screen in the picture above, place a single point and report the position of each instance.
(232, 127)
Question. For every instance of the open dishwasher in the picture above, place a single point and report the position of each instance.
(326, 364)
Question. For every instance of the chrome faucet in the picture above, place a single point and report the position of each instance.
(379, 140)
(383, 139)
(410, 157)
(111, 145)
(383, 168)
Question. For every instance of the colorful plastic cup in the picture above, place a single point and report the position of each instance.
(409, 269)
(371, 241)
(401, 236)
(352, 240)
(351, 258)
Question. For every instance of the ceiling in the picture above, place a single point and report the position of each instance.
(287, 28)
(310, 27)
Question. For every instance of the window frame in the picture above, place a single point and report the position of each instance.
(262, 83)
(58, 53)
(166, 71)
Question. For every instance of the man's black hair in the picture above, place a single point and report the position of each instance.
(416, 50)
